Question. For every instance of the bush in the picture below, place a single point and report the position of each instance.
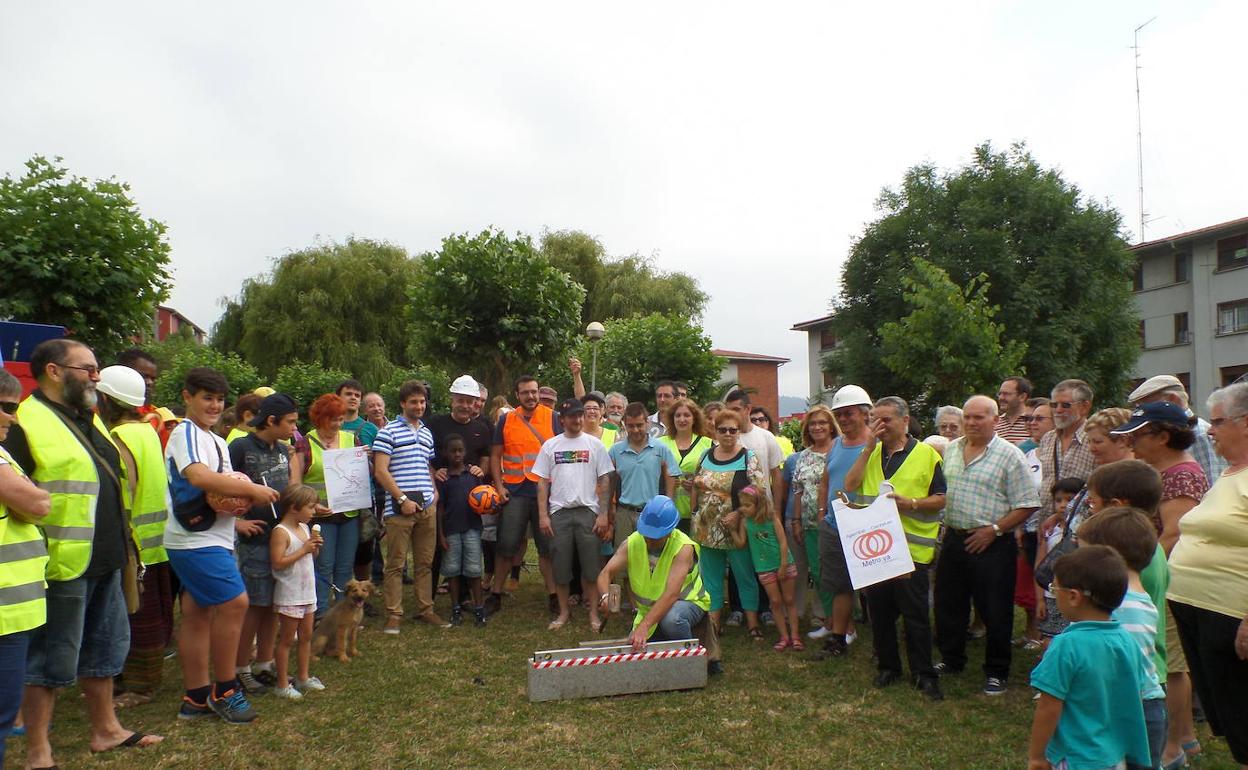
(305, 382)
(242, 376)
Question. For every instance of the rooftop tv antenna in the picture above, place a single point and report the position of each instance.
(1139, 126)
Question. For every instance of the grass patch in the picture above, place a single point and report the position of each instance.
(411, 701)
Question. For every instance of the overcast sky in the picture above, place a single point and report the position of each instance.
(744, 143)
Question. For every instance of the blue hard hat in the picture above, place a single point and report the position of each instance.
(658, 518)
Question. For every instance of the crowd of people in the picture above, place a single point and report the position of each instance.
(1122, 534)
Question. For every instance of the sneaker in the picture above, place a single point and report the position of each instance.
(232, 707)
(834, 647)
(851, 637)
(819, 633)
(457, 616)
(945, 669)
(735, 619)
(994, 686)
(493, 603)
(392, 625)
(930, 687)
(767, 618)
(265, 676)
(885, 678)
(192, 710)
(310, 684)
(479, 614)
(288, 693)
(252, 685)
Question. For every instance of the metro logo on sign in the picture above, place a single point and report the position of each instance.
(873, 540)
(873, 544)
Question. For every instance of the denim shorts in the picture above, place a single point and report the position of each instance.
(87, 633)
(210, 574)
(463, 555)
(257, 572)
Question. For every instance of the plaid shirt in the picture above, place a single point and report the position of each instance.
(992, 485)
(1075, 462)
(1015, 431)
(1202, 451)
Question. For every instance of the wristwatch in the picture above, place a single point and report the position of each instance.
(997, 530)
(403, 499)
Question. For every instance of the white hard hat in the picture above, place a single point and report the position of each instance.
(124, 384)
(464, 385)
(850, 395)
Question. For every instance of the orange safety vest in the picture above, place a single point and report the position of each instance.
(521, 441)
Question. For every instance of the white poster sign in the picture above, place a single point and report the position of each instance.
(873, 540)
(346, 479)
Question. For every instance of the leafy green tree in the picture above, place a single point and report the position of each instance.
(949, 345)
(78, 253)
(792, 430)
(242, 376)
(493, 306)
(1056, 266)
(306, 382)
(337, 305)
(620, 287)
(637, 352)
(437, 380)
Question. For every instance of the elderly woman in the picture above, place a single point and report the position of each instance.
(23, 556)
(688, 442)
(761, 418)
(1209, 578)
(339, 529)
(722, 473)
(818, 432)
(949, 422)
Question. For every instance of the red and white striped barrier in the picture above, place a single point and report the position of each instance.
(691, 652)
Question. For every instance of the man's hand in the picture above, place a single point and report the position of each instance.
(503, 494)
(638, 637)
(601, 526)
(604, 605)
(1241, 640)
(409, 508)
(574, 364)
(979, 540)
(248, 528)
(262, 495)
(543, 523)
(475, 470)
(442, 542)
(322, 510)
(440, 475)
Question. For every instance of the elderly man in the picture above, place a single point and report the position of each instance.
(667, 588)
(67, 451)
(1063, 452)
(913, 470)
(1011, 401)
(990, 492)
(1166, 387)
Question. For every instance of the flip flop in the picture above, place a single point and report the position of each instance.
(756, 634)
(132, 742)
(599, 626)
(556, 624)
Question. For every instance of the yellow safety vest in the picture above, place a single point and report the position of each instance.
(648, 586)
(66, 471)
(150, 507)
(688, 466)
(23, 559)
(235, 433)
(315, 475)
(912, 479)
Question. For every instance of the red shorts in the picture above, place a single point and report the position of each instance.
(1024, 584)
(787, 573)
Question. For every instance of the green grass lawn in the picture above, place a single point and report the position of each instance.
(414, 701)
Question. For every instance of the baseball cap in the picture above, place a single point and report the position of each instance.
(1158, 411)
(571, 406)
(1153, 385)
(276, 405)
(465, 385)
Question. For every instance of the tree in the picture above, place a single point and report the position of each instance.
(620, 287)
(341, 306)
(949, 345)
(437, 380)
(493, 306)
(242, 376)
(306, 382)
(637, 352)
(78, 254)
(1056, 266)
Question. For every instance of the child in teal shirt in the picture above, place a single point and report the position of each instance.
(1089, 716)
(761, 528)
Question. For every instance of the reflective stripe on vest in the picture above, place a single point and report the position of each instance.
(912, 479)
(65, 469)
(520, 446)
(647, 586)
(23, 559)
(150, 507)
(315, 475)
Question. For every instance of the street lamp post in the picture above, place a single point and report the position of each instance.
(595, 332)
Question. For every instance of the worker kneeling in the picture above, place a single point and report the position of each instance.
(663, 575)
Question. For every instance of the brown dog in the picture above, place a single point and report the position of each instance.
(335, 635)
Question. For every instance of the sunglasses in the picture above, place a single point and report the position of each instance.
(758, 420)
(727, 430)
(1064, 404)
(8, 407)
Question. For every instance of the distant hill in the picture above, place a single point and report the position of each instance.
(791, 405)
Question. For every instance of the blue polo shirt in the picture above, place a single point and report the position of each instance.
(841, 459)
(640, 471)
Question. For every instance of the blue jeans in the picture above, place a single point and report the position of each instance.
(12, 672)
(1155, 723)
(87, 633)
(335, 565)
(714, 563)
(679, 621)
(462, 557)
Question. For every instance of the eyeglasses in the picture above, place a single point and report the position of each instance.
(8, 407)
(759, 420)
(1064, 404)
(1055, 587)
(723, 429)
(1027, 418)
(90, 370)
(1218, 422)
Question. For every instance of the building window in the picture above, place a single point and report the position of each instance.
(1232, 373)
(829, 380)
(1137, 277)
(827, 340)
(1143, 336)
(1233, 316)
(1233, 251)
(1182, 267)
(1185, 379)
(1182, 335)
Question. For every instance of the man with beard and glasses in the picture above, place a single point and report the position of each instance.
(1063, 452)
(67, 451)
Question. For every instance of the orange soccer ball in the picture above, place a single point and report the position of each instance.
(229, 505)
(483, 499)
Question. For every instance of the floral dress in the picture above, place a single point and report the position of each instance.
(807, 475)
(718, 483)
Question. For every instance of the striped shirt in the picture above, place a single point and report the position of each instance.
(1138, 617)
(1015, 431)
(989, 487)
(1075, 463)
(411, 459)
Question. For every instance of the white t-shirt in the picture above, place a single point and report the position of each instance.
(762, 443)
(189, 444)
(573, 467)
